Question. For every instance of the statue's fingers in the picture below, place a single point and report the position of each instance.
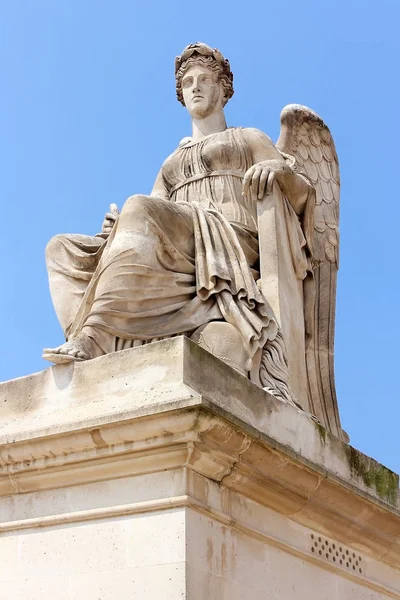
(247, 179)
(111, 217)
(270, 182)
(107, 226)
(262, 183)
(254, 181)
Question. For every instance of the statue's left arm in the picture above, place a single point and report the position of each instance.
(268, 166)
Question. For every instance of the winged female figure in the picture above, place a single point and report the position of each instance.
(185, 259)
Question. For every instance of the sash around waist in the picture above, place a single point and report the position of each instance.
(238, 174)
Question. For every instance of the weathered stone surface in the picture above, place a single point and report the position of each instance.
(162, 472)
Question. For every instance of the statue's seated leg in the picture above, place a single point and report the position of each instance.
(71, 260)
(146, 276)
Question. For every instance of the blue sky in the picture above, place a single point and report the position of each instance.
(88, 113)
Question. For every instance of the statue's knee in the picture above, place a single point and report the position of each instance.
(54, 245)
(135, 205)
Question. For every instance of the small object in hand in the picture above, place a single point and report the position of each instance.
(114, 210)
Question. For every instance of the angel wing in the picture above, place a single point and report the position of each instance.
(305, 136)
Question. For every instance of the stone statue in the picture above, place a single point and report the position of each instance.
(226, 206)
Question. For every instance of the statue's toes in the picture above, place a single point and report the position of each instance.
(51, 350)
(70, 352)
(62, 351)
(74, 352)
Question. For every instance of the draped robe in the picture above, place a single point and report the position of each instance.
(170, 266)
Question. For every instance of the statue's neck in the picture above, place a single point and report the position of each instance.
(212, 124)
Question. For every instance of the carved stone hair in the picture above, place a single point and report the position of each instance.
(210, 58)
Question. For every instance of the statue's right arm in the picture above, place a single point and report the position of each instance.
(269, 165)
(159, 188)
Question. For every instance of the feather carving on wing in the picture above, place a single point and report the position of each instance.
(308, 140)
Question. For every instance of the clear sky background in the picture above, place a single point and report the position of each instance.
(88, 114)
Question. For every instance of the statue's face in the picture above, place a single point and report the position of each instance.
(202, 91)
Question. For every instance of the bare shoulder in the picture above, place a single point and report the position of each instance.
(184, 141)
(256, 137)
(260, 145)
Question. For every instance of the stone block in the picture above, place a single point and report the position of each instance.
(160, 472)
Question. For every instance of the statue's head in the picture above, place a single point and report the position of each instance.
(204, 80)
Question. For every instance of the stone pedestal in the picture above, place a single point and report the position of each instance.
(160, 472)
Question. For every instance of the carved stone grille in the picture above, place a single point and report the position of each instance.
(336, 553)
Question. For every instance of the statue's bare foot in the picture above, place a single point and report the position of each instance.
(78, 349)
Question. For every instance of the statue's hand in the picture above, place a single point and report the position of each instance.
(110, 219)
(260, 178)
